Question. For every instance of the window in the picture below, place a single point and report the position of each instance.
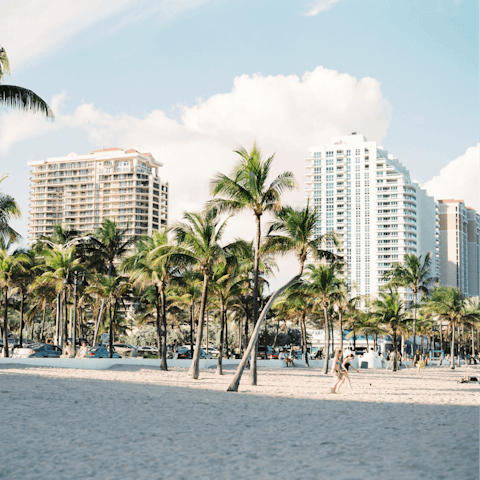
(317, 155)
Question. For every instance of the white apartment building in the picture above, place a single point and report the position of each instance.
(459, 246)
(367, 197)
(80, 191)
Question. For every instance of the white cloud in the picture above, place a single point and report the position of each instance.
(459, 179)
(31, 28)
(320, 6)
(284, 114)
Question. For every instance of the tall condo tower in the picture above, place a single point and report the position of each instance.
(80, 191)
(459, 246)
(367, 197)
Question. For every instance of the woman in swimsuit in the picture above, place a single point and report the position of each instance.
(336, 370)
(347, 363)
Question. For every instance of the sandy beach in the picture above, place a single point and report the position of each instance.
(139, 423)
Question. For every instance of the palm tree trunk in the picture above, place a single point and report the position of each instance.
(22, 323)
(65, 320)
(222, 330)
(452, 349)
(246, 326)
(327, 340)
(110, 340)
(57, 319)
(305, 340)
(240, 346)
(276, 335)
(354, 339)
(458, 349)
(233, 387)
(40, 336)
(258, 236)
(194, 370)
(5, 322)
(191, 325)
(340, 321)
(395, 360)
(227, 352)
(163, 360)
(158, 324)
(414, 321)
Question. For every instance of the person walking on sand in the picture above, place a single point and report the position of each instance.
(420, 364)
(336, 370)
(347, 363)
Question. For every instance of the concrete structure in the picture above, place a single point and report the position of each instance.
(459, 246)
(367, 197)
(80, 191)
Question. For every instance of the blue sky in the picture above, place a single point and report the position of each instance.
(189, 80)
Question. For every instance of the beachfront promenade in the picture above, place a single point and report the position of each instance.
(137, 422)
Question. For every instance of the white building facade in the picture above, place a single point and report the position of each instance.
(459, 246)
(367, 197)
(80, 191)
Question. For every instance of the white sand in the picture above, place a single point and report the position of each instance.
(137, 423)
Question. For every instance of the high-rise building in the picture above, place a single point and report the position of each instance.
(80, 191)
(367, 197)
(459, 246)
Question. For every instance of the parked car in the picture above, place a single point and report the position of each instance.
(100, 352)
(146, 350)
(261, 352)
(126, 350)
(184, 352)
(39, 350)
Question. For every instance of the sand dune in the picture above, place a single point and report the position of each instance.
(136, 423)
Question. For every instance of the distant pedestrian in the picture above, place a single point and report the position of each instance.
(336, 370)
(347, 363)
(82, 353)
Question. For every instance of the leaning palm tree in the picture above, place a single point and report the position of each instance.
(9, 210)
(198, 238)
(293, 231)
(413, 273)
(248, 189)
(18, 97)
(112, 290)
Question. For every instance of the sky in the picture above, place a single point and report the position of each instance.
(190, 80)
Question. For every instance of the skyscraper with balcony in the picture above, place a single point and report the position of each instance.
(80, 191)
(366, 196)
(459, 246)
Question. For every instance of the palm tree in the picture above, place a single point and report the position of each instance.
(388, 311)
(10, 264)
(293, 231)
(112, 290)
(21, 281)
(323, 283)
(226, 285)
(247, 189)
(106, 246)
(9, 210)
(18, 97)
(448, 303)
(198, 238)
(149, 266)
(413, 274)
(58, 261)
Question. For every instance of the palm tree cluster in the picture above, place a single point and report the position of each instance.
(180, 279)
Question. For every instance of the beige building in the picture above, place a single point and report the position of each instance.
(459, 246)
(80, 191)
